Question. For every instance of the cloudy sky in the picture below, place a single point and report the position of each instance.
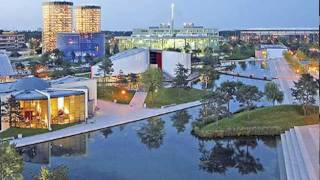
(128, 14)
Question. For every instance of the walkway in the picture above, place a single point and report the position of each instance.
(301, 152)
(285, 77)
(138, 99)
(110, 114)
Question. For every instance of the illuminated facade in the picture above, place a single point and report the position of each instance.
(75, 46)
(197, 37)
(57, 17)
(88, 19)
(11, 41)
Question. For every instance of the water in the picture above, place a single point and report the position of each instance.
(157, 148)
(257, 68)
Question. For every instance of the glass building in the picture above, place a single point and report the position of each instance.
(88, 19)
(57, 17)
(76, 45)
(197, 37)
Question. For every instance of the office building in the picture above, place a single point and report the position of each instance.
(10, 41)
(88, 19)
(57, 18)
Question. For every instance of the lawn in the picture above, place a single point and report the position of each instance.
(110, 93)
(265, 120)
(13, 132)
(169, 96)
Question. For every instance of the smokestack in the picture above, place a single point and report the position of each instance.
(172, 18)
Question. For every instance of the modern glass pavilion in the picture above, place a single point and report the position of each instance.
(42, 106)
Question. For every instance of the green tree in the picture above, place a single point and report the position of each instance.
(208, 74)
(58, 57)
(106, 67)
(181, 79)
(187, 48)
(11, 163)
(301, 55)
(58, 173)
(305, 91)
(248, 95)
(230, 89)
(216, 105)
(88, 58)
(12, 110)
(273, 93)
(152, 80)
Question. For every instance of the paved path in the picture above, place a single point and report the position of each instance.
(110, 114)
(285, 76)
(138, 99)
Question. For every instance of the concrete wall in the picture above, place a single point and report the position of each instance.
(91, 84)
(170, 60)
(136, 63)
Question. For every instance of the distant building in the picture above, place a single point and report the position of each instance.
(57, 18)
(138, 60)
(11, 41)
(77, 45)
(266, 35)
(270, 51)
(88, 19)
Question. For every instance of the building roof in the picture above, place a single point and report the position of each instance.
(127, 53)
(35, 95)
(273, 46)
(6, 87)
(5, 66)
(30, 83)
(68, 79)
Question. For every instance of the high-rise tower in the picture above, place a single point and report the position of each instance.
(57, 17)
(88, 19)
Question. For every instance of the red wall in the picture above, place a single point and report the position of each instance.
(159, 60)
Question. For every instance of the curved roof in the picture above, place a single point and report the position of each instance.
(5, 66)
(28, 95)
(31, 83)
(127, 53)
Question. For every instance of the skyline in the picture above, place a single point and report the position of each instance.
(117, 16)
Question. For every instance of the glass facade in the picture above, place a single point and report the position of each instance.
(77, 45)
(167, 42)
(64, 110)
(57, 17)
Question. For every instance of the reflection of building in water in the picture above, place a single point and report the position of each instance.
(42, 153)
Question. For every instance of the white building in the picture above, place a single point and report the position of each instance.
(139, 60)
(271, 51)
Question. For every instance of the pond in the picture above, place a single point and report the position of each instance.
(157, 148)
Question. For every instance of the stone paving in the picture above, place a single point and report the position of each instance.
(109, 114)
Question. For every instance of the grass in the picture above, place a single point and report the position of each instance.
(13, 132)
(110, 93)
(261, 121)
(168, 96)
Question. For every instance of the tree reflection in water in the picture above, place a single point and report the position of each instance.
(180, 119)
(106, 132)
(230, 154)
(152, 133)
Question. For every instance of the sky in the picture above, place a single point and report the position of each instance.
(129, 14)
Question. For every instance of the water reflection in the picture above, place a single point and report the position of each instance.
(180, 119)
(66, 147)
(226, 154)
(151, 133)
(106, 132)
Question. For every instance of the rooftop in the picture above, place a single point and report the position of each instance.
(127, 53)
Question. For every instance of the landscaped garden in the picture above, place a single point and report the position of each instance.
(260, 121)
(111, 93)
(13, 132)
(169, 96)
